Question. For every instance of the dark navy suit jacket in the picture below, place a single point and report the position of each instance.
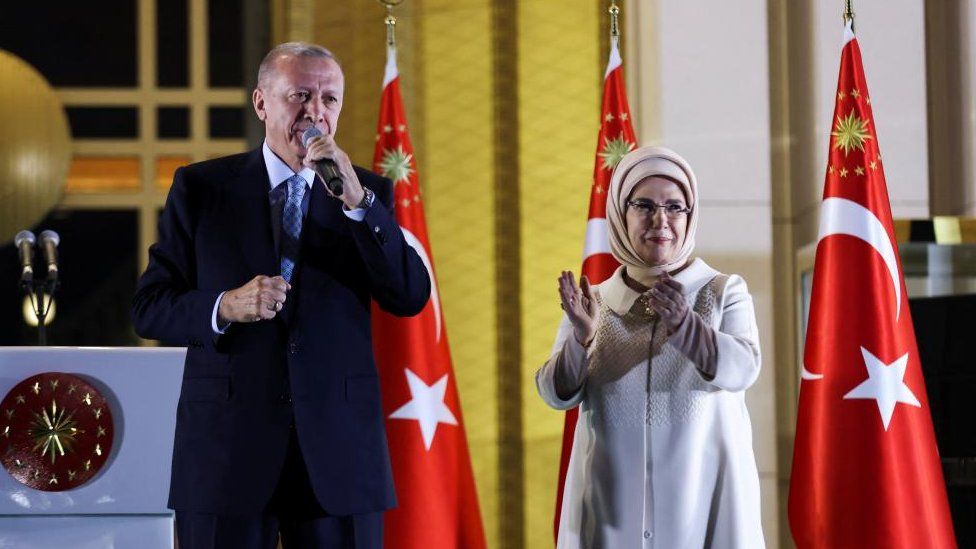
(312, 366)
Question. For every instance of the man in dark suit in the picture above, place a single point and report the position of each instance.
(266, 277)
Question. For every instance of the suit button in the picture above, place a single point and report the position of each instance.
(293, 348)
(376, 229)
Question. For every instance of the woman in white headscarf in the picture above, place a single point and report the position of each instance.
(658, 358)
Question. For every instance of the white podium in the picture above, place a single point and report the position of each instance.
(125, 504)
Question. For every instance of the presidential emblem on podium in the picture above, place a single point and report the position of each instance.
(56, 431)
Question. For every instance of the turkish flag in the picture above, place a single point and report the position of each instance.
(438, 505)
(616, 139)
(866, 471)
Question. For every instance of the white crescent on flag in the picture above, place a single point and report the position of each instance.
(842, 216)
(434, 296)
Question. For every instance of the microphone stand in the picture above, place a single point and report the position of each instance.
(36, 292)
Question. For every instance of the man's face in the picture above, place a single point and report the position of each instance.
(300, 93)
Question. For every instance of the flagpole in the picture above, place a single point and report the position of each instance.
(390, 21)
(614, 24)
(849, 12)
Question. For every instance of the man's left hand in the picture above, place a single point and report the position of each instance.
(324, 146)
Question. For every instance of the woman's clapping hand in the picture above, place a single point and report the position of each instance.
(579, 305)
(667, 300)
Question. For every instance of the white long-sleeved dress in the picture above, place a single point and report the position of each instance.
(662, 455)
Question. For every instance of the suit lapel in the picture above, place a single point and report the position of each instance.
(254, 216)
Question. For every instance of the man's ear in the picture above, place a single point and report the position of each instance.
(257, 98)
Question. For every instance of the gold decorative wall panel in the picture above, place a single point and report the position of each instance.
(457, 173)
(560, 79)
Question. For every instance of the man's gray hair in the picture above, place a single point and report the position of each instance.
(290, 49)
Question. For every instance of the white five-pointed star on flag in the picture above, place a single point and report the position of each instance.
(885, 384)
(426, 406)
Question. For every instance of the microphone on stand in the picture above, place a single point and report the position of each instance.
(49, 243)
(24, 241)
(326, 168)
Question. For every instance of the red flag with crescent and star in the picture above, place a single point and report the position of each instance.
(866, 470)
(437, 502)
(616, 139)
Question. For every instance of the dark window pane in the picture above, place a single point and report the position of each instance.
(173, 122)
(226, 122)
(226, 43)
(172, 44)
(98, 265)
(75, 43)
(104, 122)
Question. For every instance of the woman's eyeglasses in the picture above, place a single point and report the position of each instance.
(646, 208)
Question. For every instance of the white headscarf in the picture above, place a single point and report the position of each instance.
(633, 168)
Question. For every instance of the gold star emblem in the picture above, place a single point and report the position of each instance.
(840, 96)
(387, 128)
(54, 384)
(614, 150)
(416, 197)
(72, 388)
(53, 431)
(873, 165)
(20, 399)
(101, 432)
(624, 116)
(830, 169)
(859, 170)
(98, 449)
(598, 189)
(87, 399)
(71, 474)
(608, 117)
(88, 465)
(843, 172)
(867, 100)
(54, 479)
(855, 93)
(402, 128)
(396, 164)
(850, 133)
(98, 413)
(10, 413)
(6, 431)
(36, 387)
(405, 202)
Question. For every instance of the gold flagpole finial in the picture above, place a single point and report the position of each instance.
(614, 23)
(849, 12)
(390, 21)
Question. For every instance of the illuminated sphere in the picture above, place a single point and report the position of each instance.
(35, 146)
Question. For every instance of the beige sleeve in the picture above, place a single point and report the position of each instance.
(728, 357)
(561, 380)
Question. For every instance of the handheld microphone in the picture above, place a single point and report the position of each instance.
(326, 168)
(24, 241)
(49, 243)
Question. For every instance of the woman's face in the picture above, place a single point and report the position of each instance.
(657, 220)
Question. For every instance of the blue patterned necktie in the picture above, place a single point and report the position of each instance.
(291, 226)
